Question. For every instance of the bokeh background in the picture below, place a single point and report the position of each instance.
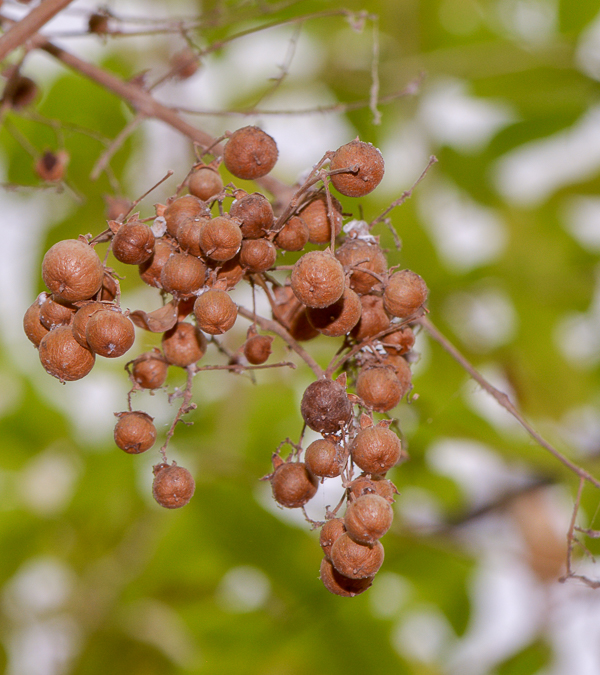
(505, 229)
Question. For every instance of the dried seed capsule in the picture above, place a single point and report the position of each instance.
(220, 238)
(293, 485)
(354, 560)
(150, 270)
(291, 313)
(379, 388)
(337, 319)
(356, 255)
(173, 486)
(205, 182)
(255, 214)
(182, 274)
(98, 23)
(188, 236)
(404, 294)
(108, 291)
(53, 314)
(63, 357)
(20, 91)
(324, 458)
(134, 432)
(293, 236)
(368, 518)
(72, 270)
(133, 243)
(150, 369)
(376, 450)
(227, 273)
(109, 333)
(33, 327)
(215, 312)
(316, 217)
(183, 345)
(250, 153)
(332, 529)
(325, 406)
(257, 349)
(338, 584)
(318, 279)
(257, 255)
(399, 342)
(51, 166)
(402, 370)
(366, 163)
(80, 321)
(361, 486)
(373, 319)
(182, 209)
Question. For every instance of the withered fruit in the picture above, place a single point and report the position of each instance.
(368, 518)
(257, 255)
(150, 369)
(376, 450)
(357, 255)
(109, 333)
(53, 314)
(325, 458)
(292, 314)
(404, 294)
(205, 182)
(72, 270)
(134, 432)
(257, 349)
(293, 485)
(399, 342)
(325, 406)
(254, 213)
(293, 236)
(370, 486)
(173, 486)
(133, 243)
(215, 312)
(182, 274)
(226, 274)
(184, 345)
(188, 236)
(338, 584)
(330, 531)
(20, 92)
(33, 327)
(337, 319)
(317, 279)
(220, 238)
(402, 370)
(81, 318)
(109, 288)
(183, 208)
(316, 217)
(379, 388)
(250, 153)
(150, 270)
(366, 164)
(373, 319)
(98, 23)
(63, 357)
(355, 560)
(51, 166)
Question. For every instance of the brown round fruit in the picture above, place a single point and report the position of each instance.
(338, 584)
(133, 243)
(293, 236)
(399, 342)
(109, 333)
(337, 319)
(150, 270)
(150, 370)
(325, 406)
(33, 327)
(376, 450)
(188, 236)
(357, 255)
(184, 345)
(379, 388)
(173, 486)
(134, 432)
(257, 255)
(316, 217)
(250, 153)
(366, 164)
(182, 209)
(255, 214)
(373, 319)
(53, 314)
(205, 183)
(330, 531)
(324, 458)
(293, 485)
(72, 270)
(220, 238)
(182, 274)
(257, 349)
(354, 560)
(368, 518)
(317, 279)
(215, 312)
(80, 321)
(405, 293)
(228, 273)
(63, 357)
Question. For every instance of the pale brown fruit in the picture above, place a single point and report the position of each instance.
(109, 333)
(316, 217)
(150, 270)
(373, 319)
(53, 314)
(293, 485)
(317, 279)
(337, 319)
(257, 349)
(325, 458)
(368, 518)
(228, 273)
(402, 371)
(72, 270)
(81, 318)
(184, 345)
(292, 314)
(33, 327)
(399, 342)
(134, 432)
(370, 486)
(150, 369)
(338, 584)
(379, 388)
(293, 236)
(330, 531)
(133, 243)
(357, 255)
(220, 238)
(325, 406)
(63, 357)
(255, 214)
(188, 236)
(215, 312)
(250, 153)
(205, 183)
(182, 209)
(182, 274)
(354, 560)
(367, 166)
(173, 486)
(376, 450)
(257, 255)
(404, 294)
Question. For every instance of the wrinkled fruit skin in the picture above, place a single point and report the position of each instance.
(135, 432)
(376, 450)
(318, 279)
(370, 168)
(356, 561)
(405, 293)
(72, 270)
(293, 485)
(250, 153)
(173, 487)
(63, 357)
(368, 518)
(325, 406)
(340, 585)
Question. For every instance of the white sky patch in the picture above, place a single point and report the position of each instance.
(587, 55)
(423, 634)
(243, 589)
(453, 117)
(581, 216)
(531, 173)
(466, 234)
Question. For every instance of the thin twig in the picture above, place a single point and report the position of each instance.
(115, 145)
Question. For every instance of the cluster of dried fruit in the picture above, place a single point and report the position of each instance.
(197, 257)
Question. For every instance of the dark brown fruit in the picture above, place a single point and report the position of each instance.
(133, 243)
(332, 529)
(150, 369)
(250, 153)
(317, 219)
(338, 584)
(379, 388)
(53, 314)
(325, 406)
(150, 270)
(354, 560)
(399, 342)
(405, 293)
(134, 432)
(368, 518)
(215, 312)
(182, 274)
(317, 279)
(337, 319)
(109, 333)
(205, 183)
(293, 236)
(293, 485)
(20, 92)
(72, 270)
(373, 319)
(33, 327)
(80, 321)
(292, 314)
(183, 345)
(173, 486)
(367, 167)
(257, 349)
(376, 450)
(182, 209)
(257, 255)
(98, 23)
(220, 238)
(324, 458)
(356, 255)
(254, 213)
(63, 357)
